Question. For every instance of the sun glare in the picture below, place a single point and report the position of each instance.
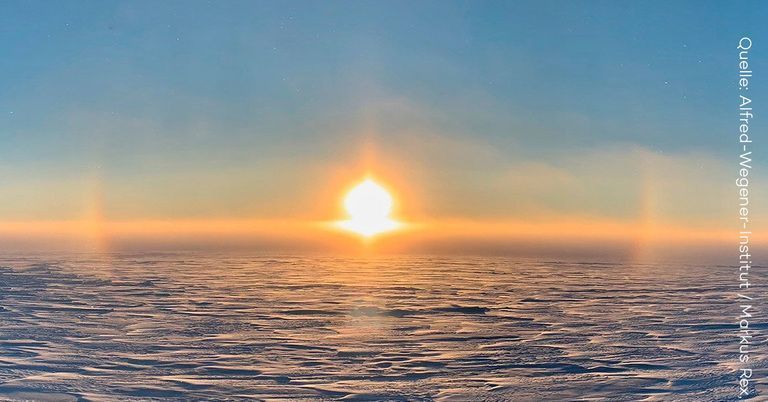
(368, 205)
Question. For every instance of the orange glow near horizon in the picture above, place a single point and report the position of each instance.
(450, 235)
(369, 206)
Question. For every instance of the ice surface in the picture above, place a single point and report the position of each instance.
(139, 327)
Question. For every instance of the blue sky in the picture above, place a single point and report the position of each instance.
(233, 107)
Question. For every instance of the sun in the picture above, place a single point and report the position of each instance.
(368, 205)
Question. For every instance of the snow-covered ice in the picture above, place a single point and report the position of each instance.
(196, 326)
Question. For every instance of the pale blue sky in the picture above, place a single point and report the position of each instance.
(225, 104)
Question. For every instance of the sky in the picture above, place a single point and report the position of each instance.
(499, 126)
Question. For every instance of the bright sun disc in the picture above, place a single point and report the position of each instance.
(368, 206)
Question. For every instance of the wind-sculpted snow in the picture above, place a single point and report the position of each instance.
(191, 327)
